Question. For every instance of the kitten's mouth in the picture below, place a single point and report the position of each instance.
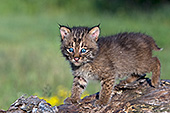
(76, 62)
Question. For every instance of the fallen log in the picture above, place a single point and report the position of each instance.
(136, 97)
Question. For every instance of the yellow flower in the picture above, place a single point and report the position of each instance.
(84, 94)
(61, 94)
(54, 100)
(45, 98)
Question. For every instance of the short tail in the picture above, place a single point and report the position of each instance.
(155, 47)
(151, 42)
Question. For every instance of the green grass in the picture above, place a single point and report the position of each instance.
(30, 58)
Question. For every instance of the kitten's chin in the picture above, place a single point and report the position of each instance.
(77, 63)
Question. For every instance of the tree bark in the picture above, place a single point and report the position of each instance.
(136, 97)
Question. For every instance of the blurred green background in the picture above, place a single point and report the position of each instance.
(30, 57)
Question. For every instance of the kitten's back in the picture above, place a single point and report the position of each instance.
(128, 52)
(128, 41)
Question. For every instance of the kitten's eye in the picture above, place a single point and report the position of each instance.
(71, 50)
(83, 50)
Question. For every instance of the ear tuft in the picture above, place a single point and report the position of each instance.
(64, 31)
(94, 32)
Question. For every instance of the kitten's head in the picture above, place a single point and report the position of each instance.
(78, 44)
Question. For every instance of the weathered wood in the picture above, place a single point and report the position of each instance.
(31, 104)
(144, 98)
(136, 97)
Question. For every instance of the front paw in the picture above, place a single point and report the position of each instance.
(99, 103)
(70, 100)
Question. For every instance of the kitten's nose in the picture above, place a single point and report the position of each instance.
(76, 59)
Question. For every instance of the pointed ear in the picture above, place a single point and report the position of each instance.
(64, 31)
(94, 32)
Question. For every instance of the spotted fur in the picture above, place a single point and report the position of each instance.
(106, 59)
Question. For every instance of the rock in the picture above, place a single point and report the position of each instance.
(136, 97)
(31, 104)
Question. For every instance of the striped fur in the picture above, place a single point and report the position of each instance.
(106, 59)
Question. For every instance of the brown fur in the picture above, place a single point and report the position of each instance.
(107, 58)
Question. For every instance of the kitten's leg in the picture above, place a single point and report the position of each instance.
(79, 84)
(106, 92)
(131, 78)
(156, 66)
(130, 82)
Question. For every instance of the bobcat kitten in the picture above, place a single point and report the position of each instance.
(107, 58)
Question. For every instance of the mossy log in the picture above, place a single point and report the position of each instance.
(137, 97)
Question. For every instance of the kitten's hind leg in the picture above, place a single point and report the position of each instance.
(132, 78)
(156, 66)
(129, 83)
